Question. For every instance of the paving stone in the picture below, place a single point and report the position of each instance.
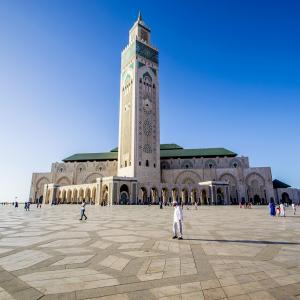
(120, 252)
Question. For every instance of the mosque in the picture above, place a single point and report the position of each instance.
(141, 170)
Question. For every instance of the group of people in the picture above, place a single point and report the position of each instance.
(246, 204)
(279, 210)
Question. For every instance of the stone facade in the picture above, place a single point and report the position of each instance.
(140, 170)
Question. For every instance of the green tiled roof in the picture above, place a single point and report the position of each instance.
(169, 147)
(277, 184)
(204, 152)
(166, 151)
(92, 156)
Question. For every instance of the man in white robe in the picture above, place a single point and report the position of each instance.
(177, 221)
(282, 210)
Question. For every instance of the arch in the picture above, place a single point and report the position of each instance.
(154, 195)
(175, 194)
(58, 196)
(124, 194)
(69, 196)
(194, 196)
(235, 163)
(81, 167)
(255, 186)
(256, 176)
(92, 178)
(47, 200)
(63, 196)
(100, 167)
(233, 184)
(61, 168)
(63, 181)
(39, 187)
(184, 196)
(186, 164)
(93, 200)
(285, 198)
(75, 196)
(143, 195)
(104, 195)
(81, 194)
(87, 194)
(164, 165)
(165, 195)
(220, 196)
(187, 177)
(256, 199)
(210, 164)
(203, 197)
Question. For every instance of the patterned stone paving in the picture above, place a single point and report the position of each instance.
(127, 253)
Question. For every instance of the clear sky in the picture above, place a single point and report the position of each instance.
(229, 77)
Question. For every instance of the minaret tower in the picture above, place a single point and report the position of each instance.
(139, 139)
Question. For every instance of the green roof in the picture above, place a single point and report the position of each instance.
(277, 184)
(170, 147)
(204, 152)
(166, 151)
(92, 156)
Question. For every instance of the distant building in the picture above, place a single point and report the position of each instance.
(141, 170)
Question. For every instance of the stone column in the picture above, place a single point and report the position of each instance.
(212, 194)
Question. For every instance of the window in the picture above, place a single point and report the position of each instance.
(154, 165)
(125, 163)
(235, 165)
(61, 170)
(140, 163)
(147, 163)
(210, 165)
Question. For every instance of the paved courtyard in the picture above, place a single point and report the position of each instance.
(128, 253)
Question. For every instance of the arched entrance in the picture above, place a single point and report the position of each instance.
(63, 196)
(75, 196)
(256, 199)
(285, 198)
(174, 194)
(194, 196)
(81, 195)
(220, 197)
(165, 195)
(93, 196)
(104, 195)
(203, 197)
(143, 195)
(124, 195)
(184, 196)
(87, 195)
(69, 196)
(154, 195)
(47, 200)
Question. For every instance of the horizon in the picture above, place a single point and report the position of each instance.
(59, 81)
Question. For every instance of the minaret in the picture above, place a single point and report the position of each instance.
(139, 139)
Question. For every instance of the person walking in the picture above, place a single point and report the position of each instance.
(177, 221)
(272, 208)
(282, 210)
(82, 210)
(294, 208)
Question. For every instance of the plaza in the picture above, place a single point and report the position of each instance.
(127, 252)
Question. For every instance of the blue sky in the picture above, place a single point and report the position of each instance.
(229, 77)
